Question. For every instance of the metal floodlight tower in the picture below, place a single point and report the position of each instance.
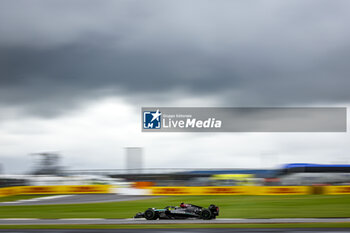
(48, 163)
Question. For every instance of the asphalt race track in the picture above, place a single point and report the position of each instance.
(172, 230)
(76, 199)
(216, 230)
(94, 198)
(82, 221)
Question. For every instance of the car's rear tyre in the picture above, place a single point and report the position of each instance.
(206, 214)
(150, 214)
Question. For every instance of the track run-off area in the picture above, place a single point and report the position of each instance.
(97, 221)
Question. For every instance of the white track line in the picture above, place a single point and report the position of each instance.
(218, 220)
(79, 219)
(36, 199)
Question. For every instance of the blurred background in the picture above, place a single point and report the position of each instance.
(75, 74)
(47, 170)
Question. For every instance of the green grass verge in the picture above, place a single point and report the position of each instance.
(308, 206)
(176, 226)
(20, 197)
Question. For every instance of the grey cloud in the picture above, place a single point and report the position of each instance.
(56, 55)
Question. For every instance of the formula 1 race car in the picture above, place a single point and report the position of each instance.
(180, 212)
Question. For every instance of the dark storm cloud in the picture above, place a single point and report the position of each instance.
(55, 55)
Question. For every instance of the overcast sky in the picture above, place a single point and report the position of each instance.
(74, 75)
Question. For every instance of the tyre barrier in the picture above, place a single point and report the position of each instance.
(63, 189)
(159, 191)
(251, 190)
